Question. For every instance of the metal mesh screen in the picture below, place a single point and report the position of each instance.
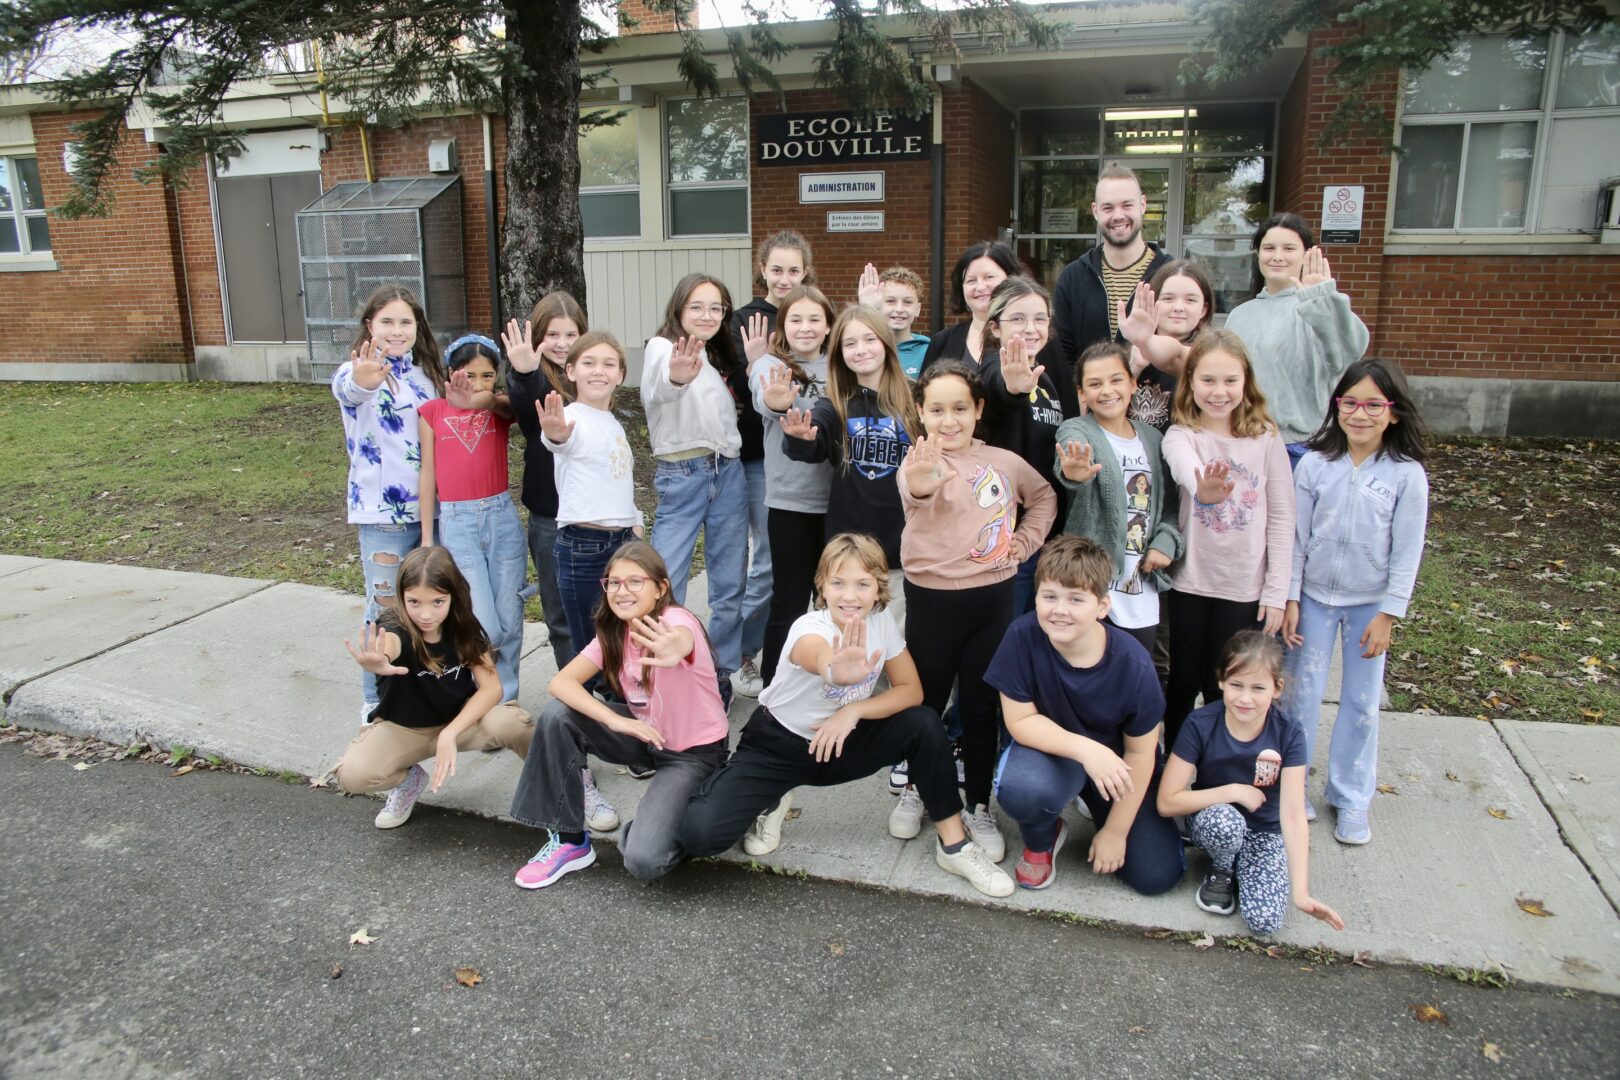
(357, 237)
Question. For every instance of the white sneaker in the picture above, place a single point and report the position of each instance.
(905, 820)
(600, 816)
(974, 865)
(765, 834)
(982, 829)
(402, 800)
(746, 680)
(366, 709)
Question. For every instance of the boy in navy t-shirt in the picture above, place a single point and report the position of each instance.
(1083, 705)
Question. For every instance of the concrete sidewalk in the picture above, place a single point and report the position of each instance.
(255, 671)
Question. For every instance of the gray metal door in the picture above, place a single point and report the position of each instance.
(257, 226)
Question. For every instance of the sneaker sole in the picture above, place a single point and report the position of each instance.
(392, 823)
(1199, 900)
(598, 827)
(581, 863)
(1353, 841)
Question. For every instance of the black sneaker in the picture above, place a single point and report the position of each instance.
(1218, 893)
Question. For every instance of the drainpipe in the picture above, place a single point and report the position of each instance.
(490, 220)
(326, 116)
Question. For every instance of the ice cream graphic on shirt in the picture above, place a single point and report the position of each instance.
(1267, 768)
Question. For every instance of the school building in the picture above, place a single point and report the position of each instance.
(1485, 259)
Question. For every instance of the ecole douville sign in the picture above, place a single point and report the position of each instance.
(826, 138)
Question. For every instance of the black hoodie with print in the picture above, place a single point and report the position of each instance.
(864, 498)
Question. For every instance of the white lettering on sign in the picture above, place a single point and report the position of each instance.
(840, 187)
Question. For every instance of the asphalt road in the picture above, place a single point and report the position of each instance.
(158, 926)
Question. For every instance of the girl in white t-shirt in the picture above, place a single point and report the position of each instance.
(819, 723)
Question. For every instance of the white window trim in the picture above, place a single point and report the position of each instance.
(634, 114)
(1543, 117)
(616, 189)
(25, 258)
(672, 186)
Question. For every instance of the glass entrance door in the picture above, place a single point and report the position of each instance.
(1161, 188)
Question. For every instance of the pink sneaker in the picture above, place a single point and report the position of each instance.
(553, 861)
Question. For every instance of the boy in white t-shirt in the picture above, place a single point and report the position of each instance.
(820, 724)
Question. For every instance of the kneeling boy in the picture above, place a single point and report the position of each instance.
(1083, 705)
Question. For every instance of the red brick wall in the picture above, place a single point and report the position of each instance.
(200, 260)
(651, 22)
(839, 257)
(980, 156)
(117, 294)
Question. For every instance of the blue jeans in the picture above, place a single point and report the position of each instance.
(582, 556)
(1353, 753)
(381, 549)
(1296, 451)
(756, 605)
(1034, 787)
(542, 535)
(485, 539)
(1024, 585)
(710, 493)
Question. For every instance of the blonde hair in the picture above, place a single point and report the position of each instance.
(864, 550)
(894, 389)
(1250, 419)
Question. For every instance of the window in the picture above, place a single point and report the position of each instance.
(23, 228)
(706, 144)
(1510, 134)
(610, 177)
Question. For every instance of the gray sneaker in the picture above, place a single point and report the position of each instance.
(600, 817)
(982, 830)
(905, 820)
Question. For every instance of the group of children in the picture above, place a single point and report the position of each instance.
(952, 568)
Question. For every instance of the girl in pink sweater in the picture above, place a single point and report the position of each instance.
(963, 541)
(1237, 517)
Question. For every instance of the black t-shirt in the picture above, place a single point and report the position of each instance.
(1116, 697)
(539, 479)
(1150, 404)
(749, 425)
(1208, 745)
(422, 699)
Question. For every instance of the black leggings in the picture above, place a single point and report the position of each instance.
(952, 635)
(1200, 627)
(796, 541)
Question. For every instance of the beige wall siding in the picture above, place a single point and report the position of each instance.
(628, 287)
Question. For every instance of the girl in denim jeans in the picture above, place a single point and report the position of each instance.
(393, 368)
(692, 424)
(465, 476)
(1363, 506)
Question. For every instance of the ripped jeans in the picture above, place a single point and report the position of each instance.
(382, 548)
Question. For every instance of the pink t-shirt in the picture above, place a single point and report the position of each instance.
(684, 703)
(469, 451)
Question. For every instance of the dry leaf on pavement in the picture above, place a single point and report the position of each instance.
(1492, 1052)
(82, 766)
(1428, 1014)
(1136, 1031)
(1532, 907)
(1362, 958)
(1274, 951)
(1576, 965)
(182, 770)
(1580, 777)
(1158, 935)
(1387, 789)
(1451, 776)
(1204, 942)
(361, 937)
(1498, 813)
(836, 948)
(317, 781)
(468, 976)
(337, 971)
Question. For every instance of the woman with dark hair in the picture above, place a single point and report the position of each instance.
(981, 268)
(1299, 329)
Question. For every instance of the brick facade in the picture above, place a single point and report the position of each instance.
(980, 161)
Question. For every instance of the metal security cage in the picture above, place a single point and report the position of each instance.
(358, 236)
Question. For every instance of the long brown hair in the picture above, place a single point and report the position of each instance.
(611, 631)
(1249, 419)
(555, 305)
(779, 345)
(1014, 288)
(433, 568)
(894, 389)
(718, 350)
(425, 350)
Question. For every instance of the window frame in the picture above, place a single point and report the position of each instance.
(671, 187)
(634, 116)
(20, 215)
(1544, 117)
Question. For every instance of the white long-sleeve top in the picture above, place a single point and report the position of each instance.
(701, 415)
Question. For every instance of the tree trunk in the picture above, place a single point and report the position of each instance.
(543, 244)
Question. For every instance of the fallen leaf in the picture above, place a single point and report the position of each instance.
(1498, 813)
(337, 971)
(468, 976)
(836, 948)
(1428, 1014)
(1362, 958)
(82, 766)
(793, 814)
(1579, 777)
(1204, 942)
(1592, 714)
(1532, 907)
(182, 770)
(1451, 776)
(1158, 935)
(1387, 789)
(1306, 968)
(1492, 1052)
(1510, 667)
(317, 781)
(1136, 1031)
(1576, 965)
(1274, 951)
(361, 937)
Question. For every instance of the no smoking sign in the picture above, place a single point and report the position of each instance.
(1341, 213)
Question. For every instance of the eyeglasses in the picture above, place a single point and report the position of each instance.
(717, 310)
(1018, 322)
(1373, 407)
(612, 585)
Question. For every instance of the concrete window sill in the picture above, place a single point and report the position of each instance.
(25, 265)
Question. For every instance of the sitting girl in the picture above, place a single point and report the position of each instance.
(819, 723)
(1250, 762)
(655, 655)
(437, 689)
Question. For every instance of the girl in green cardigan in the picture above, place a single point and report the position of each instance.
(1120, 492)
